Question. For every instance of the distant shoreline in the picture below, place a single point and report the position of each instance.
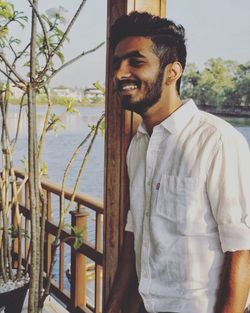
(78, 105)
(243, 112)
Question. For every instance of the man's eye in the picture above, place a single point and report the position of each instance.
(135, 63)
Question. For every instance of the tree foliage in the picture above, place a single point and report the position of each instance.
(221, 83)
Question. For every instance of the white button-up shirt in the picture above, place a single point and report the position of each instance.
(189, 203)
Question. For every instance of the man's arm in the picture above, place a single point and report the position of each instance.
(125, 279)
(235, 283)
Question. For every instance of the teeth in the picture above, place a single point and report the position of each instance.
(129, 87)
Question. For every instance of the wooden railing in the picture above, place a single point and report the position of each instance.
(85, 263)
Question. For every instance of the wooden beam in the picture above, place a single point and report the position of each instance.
(120, 126)
(156, 7)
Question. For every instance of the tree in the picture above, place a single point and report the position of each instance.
(220, 83)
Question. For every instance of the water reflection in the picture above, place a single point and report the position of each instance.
(59, 146)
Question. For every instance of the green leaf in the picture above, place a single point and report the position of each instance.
(60, 56)
(24, 160)
(79, 236)
(102, 127)
(6, 10)
(44, 169)
(98, 86)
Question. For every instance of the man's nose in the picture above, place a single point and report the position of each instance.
(123, 71)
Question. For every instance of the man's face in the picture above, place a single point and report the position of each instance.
(137, 74)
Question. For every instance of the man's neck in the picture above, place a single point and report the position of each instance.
(159, 112)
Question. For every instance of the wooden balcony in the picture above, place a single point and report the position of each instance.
(83, 292)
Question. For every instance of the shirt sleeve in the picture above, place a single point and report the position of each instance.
(228, 187)
(129, 224)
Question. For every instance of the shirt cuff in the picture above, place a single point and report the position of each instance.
(129, 224)
(234, 237)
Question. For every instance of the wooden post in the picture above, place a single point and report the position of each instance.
(78, 263)
(120, 127)
(61, 257)
(48, 237)
(98, 269)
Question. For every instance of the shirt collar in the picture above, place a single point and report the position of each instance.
(178, 120)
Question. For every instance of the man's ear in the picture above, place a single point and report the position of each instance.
(172, 72)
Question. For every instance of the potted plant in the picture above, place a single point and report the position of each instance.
(45, 45)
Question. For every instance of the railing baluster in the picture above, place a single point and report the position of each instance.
(48, 237)
(61, 260)
(78, 295)
(98, 237)
(79, 262)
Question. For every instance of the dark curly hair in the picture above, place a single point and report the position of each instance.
(167, 37)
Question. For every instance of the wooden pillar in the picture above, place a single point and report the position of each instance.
(78, 263)
(120, 126)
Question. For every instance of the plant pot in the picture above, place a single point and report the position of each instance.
(12, 301)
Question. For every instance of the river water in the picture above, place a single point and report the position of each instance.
(60, 145)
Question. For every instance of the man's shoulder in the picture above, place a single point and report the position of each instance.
(219, 127)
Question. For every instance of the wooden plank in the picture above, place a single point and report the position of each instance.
(80, 198)
(143, 5)
(120, 126)
(86, 248)
(157, 7)
(98, 269)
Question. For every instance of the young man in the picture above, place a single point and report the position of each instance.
(188, 227)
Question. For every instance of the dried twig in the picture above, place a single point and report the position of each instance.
(12, 69)
(73, 60)
(45, 32)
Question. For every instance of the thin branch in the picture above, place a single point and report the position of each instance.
(14, 52)
(45, 32)
(62, 211)
(14, 199)
(74, 60)
(45, 125)
(11, 68)
(9, 77)
(69, 26)
(84, 162)
(22, 52)
(62, 39)
(5, 122)
(13, 144)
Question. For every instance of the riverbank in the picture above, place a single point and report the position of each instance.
(227, 111)
(63, 101)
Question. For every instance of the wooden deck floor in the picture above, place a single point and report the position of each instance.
(51, 306)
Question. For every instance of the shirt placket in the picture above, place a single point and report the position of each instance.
(151, 158)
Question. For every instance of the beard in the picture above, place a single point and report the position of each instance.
(153, 91)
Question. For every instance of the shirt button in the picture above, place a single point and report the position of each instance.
(147, 213)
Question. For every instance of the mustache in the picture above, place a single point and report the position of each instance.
(120, 83)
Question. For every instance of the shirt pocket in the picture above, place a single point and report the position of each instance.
(177, 198)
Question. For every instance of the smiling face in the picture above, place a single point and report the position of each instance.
(137, 74)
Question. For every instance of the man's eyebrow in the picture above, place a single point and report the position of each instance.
(132, 54)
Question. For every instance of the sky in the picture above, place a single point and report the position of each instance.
(214, 28)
